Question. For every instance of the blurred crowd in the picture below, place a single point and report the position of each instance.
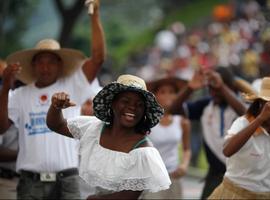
(237, 37)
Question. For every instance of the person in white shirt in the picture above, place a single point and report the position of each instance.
(216, 112)
(168, 135)
(117, 160)
(48, 162)
(247, 147)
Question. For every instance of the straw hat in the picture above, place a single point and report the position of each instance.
(103, 100)
(264, 92)
(71, 58)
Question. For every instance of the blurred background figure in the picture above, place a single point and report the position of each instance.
(171, 133)
(216, 111)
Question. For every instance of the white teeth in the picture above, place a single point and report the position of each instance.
(130, 114)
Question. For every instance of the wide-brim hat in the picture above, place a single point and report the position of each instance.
(71, 58)
(174, 81)
(103, 100)
(263, 94)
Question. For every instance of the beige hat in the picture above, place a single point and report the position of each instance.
(71, 58)
(264, 92)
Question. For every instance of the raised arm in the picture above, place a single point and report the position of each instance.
(8, 81)
(234, 144)
(195, 83)
(55, 120)
(215, 81)
(94, 63)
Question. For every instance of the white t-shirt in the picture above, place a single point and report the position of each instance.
(108, 171)
(250, 166)
(167, 139)
(213, 131)
(40, 149)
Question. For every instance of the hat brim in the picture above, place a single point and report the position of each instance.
(252, 97)
(103, 101)
(177, 82)
(71, 59)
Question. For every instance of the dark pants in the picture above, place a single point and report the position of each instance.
(31, 187)
(212, 180)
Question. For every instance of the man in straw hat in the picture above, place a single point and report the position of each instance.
(247, 147)
(216, 113)
(47, 162)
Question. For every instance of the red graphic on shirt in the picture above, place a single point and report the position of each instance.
(43, 99)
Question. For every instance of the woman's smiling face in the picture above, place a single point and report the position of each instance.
(128, 109)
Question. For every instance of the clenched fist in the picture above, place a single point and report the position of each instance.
(61, 100)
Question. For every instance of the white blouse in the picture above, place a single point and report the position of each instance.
(110, 171)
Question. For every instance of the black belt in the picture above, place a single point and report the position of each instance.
(7, 173)
(60, 174)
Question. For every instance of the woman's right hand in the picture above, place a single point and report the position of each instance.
(61, 100)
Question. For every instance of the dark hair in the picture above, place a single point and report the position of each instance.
(227, 76)
(256, 107)
(143, 126)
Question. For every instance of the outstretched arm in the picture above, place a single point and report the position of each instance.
(93, 64)
(8, 81)
(55, 120)
(234, 144)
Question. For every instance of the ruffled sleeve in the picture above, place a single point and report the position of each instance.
(150, 165)
(79, 125)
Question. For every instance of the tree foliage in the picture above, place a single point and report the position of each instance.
(69, 16)
(14, 16)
